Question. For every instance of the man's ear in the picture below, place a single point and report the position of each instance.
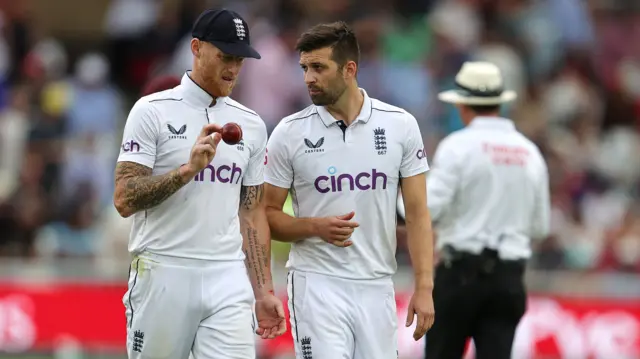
(350, 69)
(195, 47)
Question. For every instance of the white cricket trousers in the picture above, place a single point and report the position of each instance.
(335, 318)
(175, 306)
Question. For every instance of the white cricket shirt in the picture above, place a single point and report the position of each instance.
(489, 188)
(330, 172)
(201, 219)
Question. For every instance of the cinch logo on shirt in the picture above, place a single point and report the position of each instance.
(362, 181)
(222, 174)
(131, 146)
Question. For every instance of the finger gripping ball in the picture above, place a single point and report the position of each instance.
(231, 133)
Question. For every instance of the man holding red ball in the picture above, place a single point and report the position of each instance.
(199, 220)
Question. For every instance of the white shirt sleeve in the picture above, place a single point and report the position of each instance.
(542, 213)
(279, 167)
(257, 160)
(443, 179)
(140, 136)
(414, 159)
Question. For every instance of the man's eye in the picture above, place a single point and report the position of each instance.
(230, 59)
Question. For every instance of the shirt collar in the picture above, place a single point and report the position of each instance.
(197, 95)
(364, 115)
(498, 123)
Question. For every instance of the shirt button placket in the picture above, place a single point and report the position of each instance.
(209, 116)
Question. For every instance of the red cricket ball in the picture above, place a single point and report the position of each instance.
(231, 133)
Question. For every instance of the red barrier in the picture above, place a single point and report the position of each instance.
(36, 317)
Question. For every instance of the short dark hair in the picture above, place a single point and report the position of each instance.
(484, 109)
(337, 35)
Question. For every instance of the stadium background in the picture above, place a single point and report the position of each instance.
(71, 69)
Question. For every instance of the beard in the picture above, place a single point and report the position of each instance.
(224, 89)
(216, 86)
(329, 95)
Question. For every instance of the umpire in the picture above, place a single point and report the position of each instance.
(488, 194)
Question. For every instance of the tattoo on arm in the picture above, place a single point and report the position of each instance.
(256, 256)
(139, 190)
(251, 196)
(256, 249)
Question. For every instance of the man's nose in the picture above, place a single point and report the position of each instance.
(235, 67)
(309, 78)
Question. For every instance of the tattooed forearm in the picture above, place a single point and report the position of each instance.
(251, 196)
(256, 239)
(137, 189)
(256, 257)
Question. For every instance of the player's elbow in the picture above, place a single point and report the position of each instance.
(123, 210)
(121, 205)
(270, 210)
(272, 220)
(273, 213)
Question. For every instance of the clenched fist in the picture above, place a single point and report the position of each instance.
(336, 230)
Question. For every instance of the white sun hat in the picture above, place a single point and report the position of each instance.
(478, 83)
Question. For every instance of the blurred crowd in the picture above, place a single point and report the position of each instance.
(575, 65)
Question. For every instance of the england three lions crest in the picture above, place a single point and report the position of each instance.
(380, 140)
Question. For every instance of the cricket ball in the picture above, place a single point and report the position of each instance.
(231, 133)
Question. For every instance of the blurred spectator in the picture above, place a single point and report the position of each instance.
(25, 211)
(93, 118)
(126, 25)
(46, 63)
(14, 122)
(47, 134)
(95, 106)
(571, 18)
(160, 83)
(73, 233)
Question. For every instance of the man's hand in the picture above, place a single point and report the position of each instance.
(421, 305)
(204, 150)
(270, 316)
(336, 229)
